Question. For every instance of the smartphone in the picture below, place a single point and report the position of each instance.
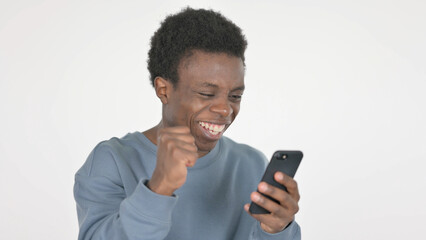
(283, 161)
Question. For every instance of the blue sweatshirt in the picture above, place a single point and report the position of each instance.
(113, 201)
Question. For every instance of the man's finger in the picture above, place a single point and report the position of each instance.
(289, 183)
(284, 198)
(268, 220)
(267, 204)
(187, 146)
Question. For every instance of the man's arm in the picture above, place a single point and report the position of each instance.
(104, 210)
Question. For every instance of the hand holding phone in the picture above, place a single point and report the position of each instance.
(283, 161)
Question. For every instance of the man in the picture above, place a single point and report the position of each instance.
(182, 179)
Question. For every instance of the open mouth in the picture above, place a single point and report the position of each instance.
(213, 129)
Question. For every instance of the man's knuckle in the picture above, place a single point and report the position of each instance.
(277, 210)
(296, 209)
(284, 197)
(292, 185)
(164, 137)
(170, 145)
(175, 151)
(281, 225)
(270, 189)
(297, 198)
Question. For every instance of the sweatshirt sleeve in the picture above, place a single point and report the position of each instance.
(292, 232)
(106, 212)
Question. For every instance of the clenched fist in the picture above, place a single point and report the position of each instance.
(176, 150)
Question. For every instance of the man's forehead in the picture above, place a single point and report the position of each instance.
(212, 70)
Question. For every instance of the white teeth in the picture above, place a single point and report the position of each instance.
(214, 133)
(213, 128)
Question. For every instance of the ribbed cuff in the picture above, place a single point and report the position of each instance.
(291, 232)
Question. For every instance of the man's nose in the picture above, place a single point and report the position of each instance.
(222, 107)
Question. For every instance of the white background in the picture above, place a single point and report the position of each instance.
(343, 81)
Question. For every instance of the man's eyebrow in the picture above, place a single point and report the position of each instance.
(212, 85)
(240, 88)
(206, 84)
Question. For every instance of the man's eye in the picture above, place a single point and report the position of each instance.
(206, 94)
(236, 97)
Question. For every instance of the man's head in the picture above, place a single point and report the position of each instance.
(190, 30)
(197, 68)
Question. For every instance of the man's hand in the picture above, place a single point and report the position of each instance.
(176, 150)
(282, 213)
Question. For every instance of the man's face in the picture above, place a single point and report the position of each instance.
(207, 96)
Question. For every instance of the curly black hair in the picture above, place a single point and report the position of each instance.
(190, 30)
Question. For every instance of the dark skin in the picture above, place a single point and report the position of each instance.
(208, 93)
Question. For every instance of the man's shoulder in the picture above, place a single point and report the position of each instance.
(105, 154)
(128, 142)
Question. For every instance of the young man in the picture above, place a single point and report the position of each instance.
(182, 179)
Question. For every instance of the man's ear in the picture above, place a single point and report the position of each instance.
(162, 89)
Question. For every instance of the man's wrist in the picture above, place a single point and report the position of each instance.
(269, 230)
(159, 188)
